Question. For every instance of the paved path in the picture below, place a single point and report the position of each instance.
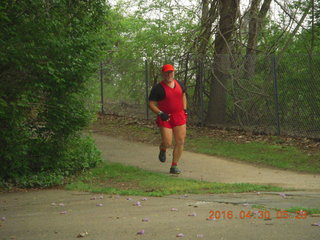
(63, 215)
(203, 167)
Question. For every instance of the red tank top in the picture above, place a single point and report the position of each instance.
(172, 103)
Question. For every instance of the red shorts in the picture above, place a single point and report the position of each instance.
(176, 119)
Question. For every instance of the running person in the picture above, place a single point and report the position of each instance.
(168, 100)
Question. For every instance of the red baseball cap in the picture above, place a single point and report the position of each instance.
(167, 68)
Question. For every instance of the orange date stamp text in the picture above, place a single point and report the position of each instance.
(250, 214)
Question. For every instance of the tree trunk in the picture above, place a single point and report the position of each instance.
(208, 16)
(217, 100)
(252, 40)
(255, 22)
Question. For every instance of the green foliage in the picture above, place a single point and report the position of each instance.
(152, 30)
(39, 180)
(298, 91)
(75, 155)
(48, 53)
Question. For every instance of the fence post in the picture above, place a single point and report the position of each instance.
(102, 89)
(276, 93)
(147, 88)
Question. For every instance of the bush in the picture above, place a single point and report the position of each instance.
(79, 154)
(39, 180)
(49, 51)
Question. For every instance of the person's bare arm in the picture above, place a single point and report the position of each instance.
(184, 101)
(154, 107)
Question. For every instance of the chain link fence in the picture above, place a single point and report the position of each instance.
(124, 87)
(276, 95)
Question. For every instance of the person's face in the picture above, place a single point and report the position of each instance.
(168, 76)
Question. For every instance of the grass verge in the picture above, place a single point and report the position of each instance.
(279, 156)
(115, 178)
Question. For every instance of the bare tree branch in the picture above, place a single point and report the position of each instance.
(286, 12)
(289, 41)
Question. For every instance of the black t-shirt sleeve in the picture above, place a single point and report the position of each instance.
(157, 93)
(184, 88)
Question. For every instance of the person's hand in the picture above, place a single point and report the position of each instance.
(164, 116)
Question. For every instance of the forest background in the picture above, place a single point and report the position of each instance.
(250, 64)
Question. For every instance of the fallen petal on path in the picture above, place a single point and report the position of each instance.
(83, 234)
(141, 232)
(145, 220)
(283, 195)
(180, 235)
(316, 224)
(174, 209)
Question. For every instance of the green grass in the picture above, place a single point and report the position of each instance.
(292, 209)
(279, 156)
(308, 210)
(115, 178)
(258, 206)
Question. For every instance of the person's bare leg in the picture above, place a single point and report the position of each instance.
(179, 133)
(166, 138)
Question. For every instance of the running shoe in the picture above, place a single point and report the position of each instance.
(162, 156)
(175, 170)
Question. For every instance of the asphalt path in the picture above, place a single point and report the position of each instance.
(59, 214)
